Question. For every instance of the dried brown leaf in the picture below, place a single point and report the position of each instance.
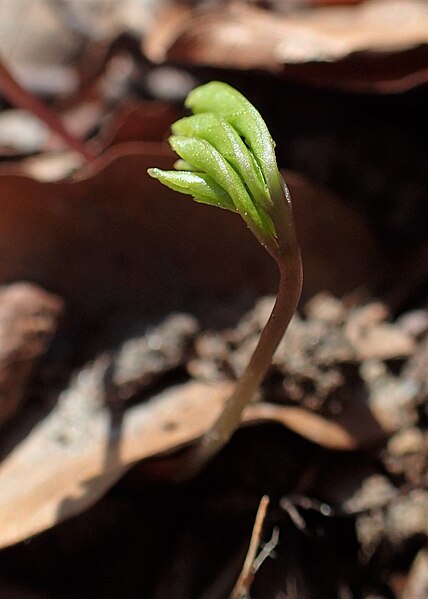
(140, 121)
(115, 209)
(377, 45)
(75, 454)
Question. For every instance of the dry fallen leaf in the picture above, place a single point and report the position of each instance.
(76, 452)
(115, 229)
(378, 45)
(140, 121)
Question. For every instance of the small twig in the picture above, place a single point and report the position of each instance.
(243, 584)
(267, 550)
(292, 511)
(18, 96)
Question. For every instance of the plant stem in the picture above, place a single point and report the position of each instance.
(290, 285)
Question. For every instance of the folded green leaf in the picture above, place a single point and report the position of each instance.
(199, 185)
(182, 165)
(205, 157)
(224, 100)
(228, 141)
(220, 134)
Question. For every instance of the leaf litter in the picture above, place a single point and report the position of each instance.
(132, 363)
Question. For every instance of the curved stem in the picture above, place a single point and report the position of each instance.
(290, 285)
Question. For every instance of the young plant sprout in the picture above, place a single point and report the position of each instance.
(227, 159)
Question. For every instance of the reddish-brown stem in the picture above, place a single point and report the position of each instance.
(20, 97)
(290, 285)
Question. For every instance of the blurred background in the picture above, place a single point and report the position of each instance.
(127, 312)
